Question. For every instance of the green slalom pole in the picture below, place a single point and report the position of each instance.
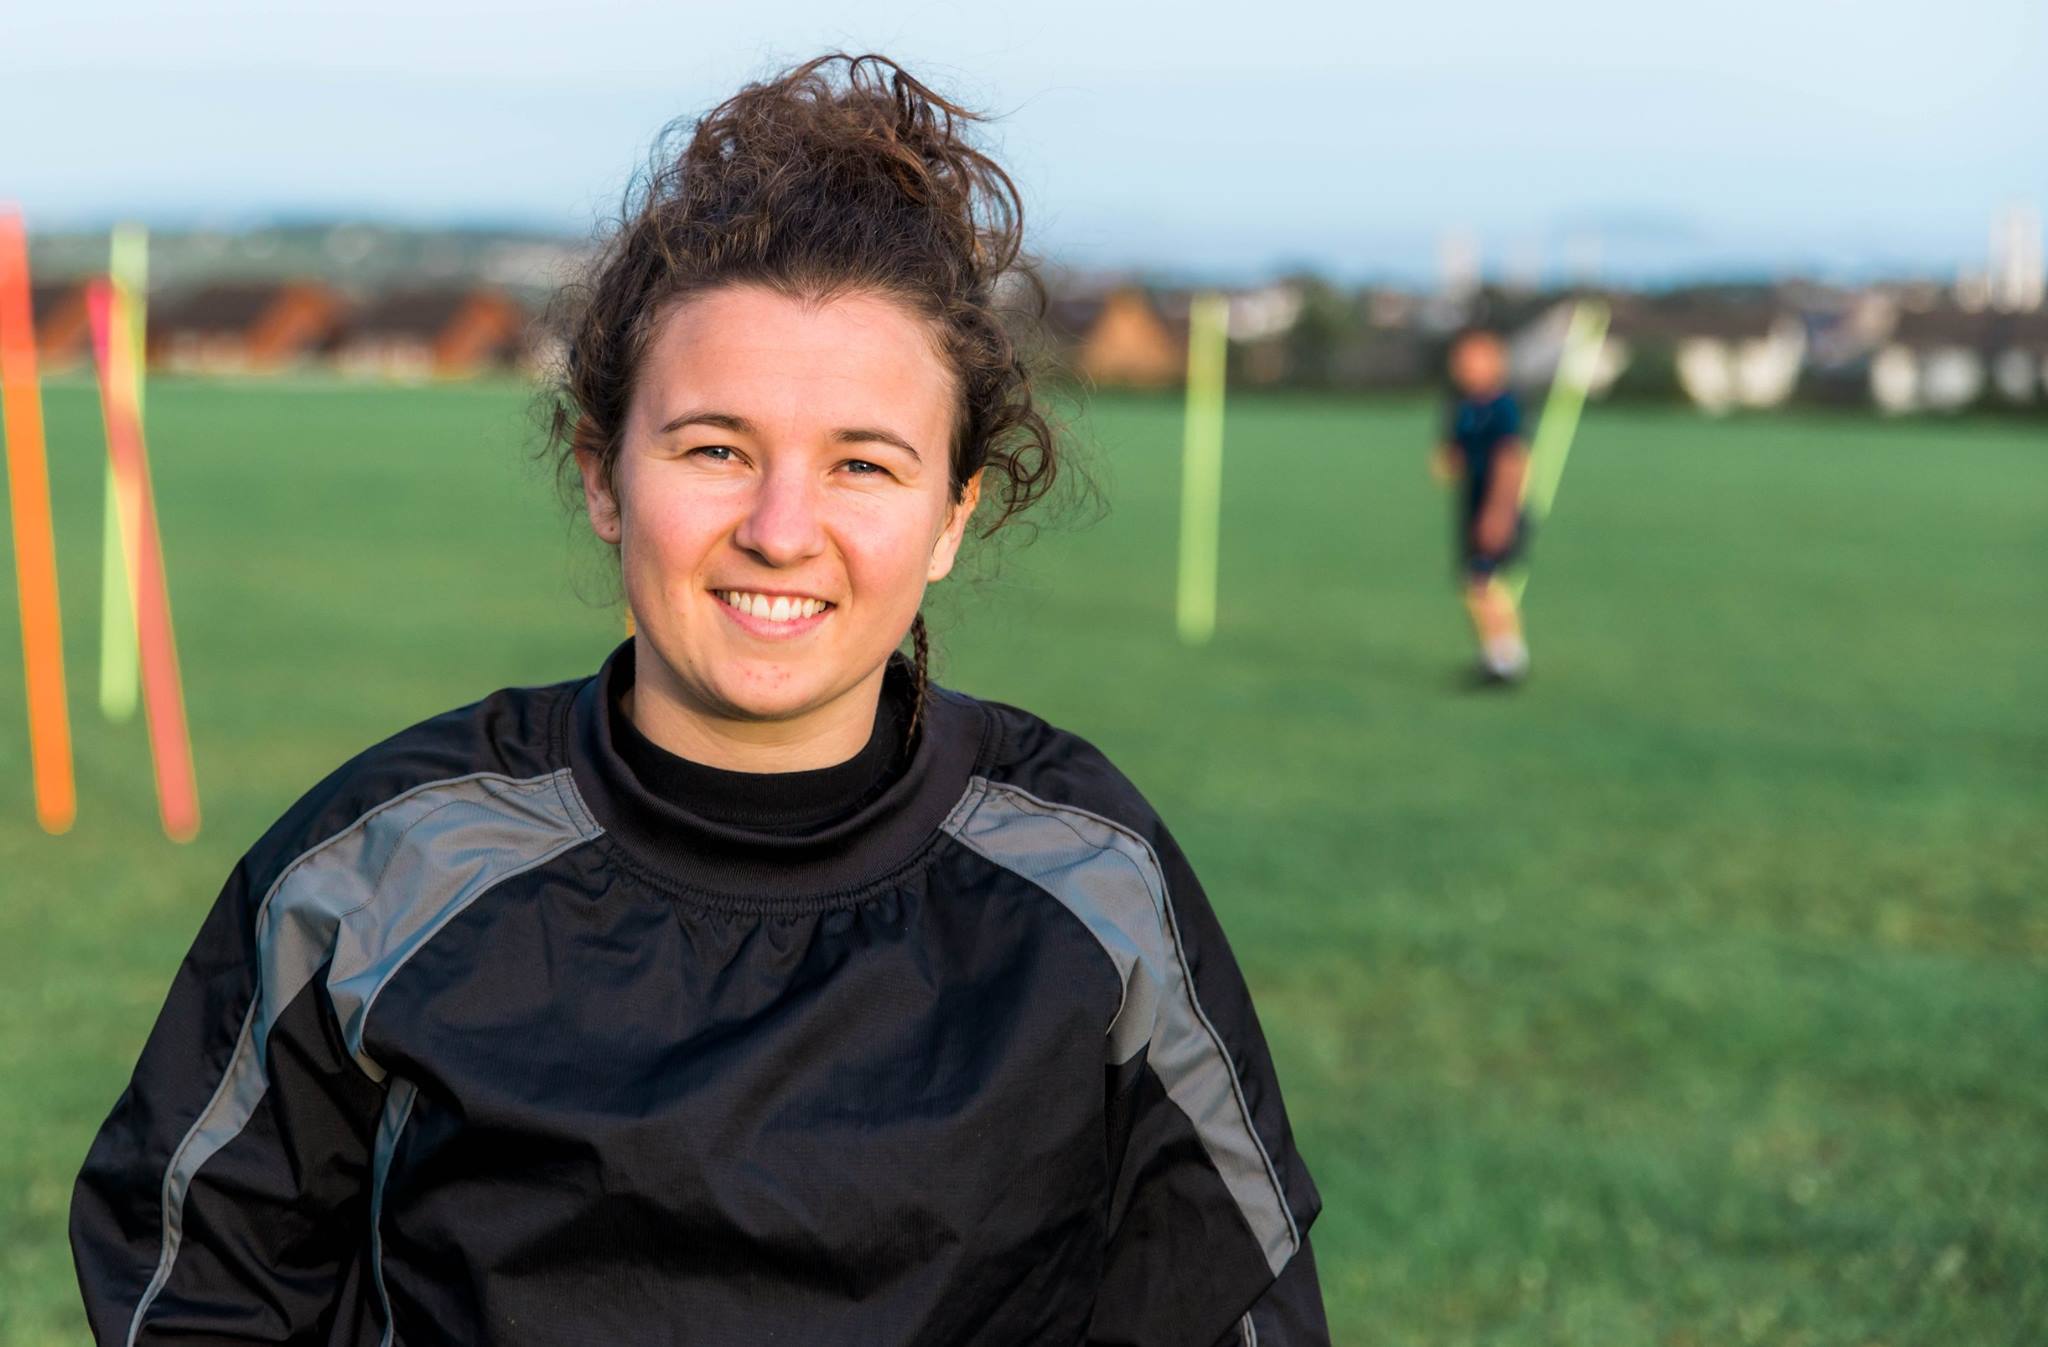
(1554, 433)
(1201, 473)
(120, 678)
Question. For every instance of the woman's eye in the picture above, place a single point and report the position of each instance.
(861, 467)
(718, 453)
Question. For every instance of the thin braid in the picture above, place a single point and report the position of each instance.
(921, 647)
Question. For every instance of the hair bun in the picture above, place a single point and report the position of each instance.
(843, 174)
(840, 158)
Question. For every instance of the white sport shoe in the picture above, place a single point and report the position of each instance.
(1505, 658)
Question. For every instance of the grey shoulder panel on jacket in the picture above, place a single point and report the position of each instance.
(513, 732)
(1108, 875)
(361, 869)
(360, 903)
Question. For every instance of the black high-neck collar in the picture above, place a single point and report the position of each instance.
(743, 858)
(772, 801)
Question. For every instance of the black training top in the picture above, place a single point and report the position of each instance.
(494, 1039)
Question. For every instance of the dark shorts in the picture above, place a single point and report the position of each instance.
(1477, 564)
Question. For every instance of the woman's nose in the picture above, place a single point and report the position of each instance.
(782, 525)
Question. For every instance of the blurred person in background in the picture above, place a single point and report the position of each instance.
(1484, 460)
(753, 988)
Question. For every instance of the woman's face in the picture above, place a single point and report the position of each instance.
(780, 497)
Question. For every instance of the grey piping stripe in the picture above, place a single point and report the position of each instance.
(411, 858)
(1086, 861)
(397, 1110)
(177, 1175)
(1248, 1330)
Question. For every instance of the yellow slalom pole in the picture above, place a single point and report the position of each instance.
(120, 673)
(1201, 493)
(129, 267)
(1583, 338)
(35, 542)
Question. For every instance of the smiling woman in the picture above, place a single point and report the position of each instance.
(752, 989)
(777, 523)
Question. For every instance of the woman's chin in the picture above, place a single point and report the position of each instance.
(758, 689)
(727, 679)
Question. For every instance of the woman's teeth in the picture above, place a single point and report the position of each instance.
(780, 608)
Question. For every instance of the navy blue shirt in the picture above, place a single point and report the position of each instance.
(1478, 427)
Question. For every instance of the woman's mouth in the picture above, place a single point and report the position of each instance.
(772, 614)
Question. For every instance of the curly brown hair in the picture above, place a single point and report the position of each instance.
(842, 175)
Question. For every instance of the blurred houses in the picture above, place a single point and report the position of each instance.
(380, 302)
(1296, 332)
(261, 327)
(1725, 352)
(1371, 339)
(443, 333)
(1721, 348)
(244, 327)
(1947, 359)
(1119, 337)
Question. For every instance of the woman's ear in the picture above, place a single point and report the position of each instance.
(598, 499)
(948, 545)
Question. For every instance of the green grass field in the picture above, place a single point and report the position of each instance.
(1695, 994)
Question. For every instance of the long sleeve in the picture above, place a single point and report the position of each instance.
(225, 1198)
(1212, 1203)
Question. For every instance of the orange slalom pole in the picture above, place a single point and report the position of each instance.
(163, 694)
(35, 540)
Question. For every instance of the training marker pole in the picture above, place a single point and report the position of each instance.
(1554, 433)
(163, 696)
(35, 542)
(1201, 472)
(129, 267)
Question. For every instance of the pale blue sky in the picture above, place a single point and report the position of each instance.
(1847, 135)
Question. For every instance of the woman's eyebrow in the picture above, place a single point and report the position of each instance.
(722, 420)
(875, 435)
